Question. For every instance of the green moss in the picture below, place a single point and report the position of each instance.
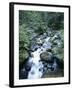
(46, 56)
(61, 57)
(59, 53)
(59, 73)
(62, 34)
(23, 55)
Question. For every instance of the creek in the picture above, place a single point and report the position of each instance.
(35, 68)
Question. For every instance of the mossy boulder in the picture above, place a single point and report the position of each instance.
(46, 56)
(57, 50)
(59, 53)
(23, 56)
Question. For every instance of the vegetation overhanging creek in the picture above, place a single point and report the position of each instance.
(41, 44)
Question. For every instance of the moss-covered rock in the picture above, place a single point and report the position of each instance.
(23, 56)
(55, 50)
(59, 53)
(46, 56)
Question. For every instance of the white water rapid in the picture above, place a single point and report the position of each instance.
(37, 66)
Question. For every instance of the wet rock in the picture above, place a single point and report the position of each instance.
(45, 64)
(49, 50)
(47, 45)
(28, 66)
(54, 66)
(52, 69)
(56, 36)
(44, 70)
(58, 63)
(39, 41)
(60, 56)
(23, 74)
(44, 35)
(34, 47)
(61, 60)
(57, 50)
(59, 53)
(46, 56)
(41, 69)
(50, 32)
(32, 72)
(55, 42)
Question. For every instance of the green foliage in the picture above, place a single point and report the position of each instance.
(30, 18)
(24, 36)
(62, 34)
(23, 55)
(56, 21)
(24, 42)
(39, 31)
(41, 20)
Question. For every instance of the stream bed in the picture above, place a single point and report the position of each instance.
(42, 62)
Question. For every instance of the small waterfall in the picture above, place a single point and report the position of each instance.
(37, 66)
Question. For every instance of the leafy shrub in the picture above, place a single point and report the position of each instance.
(24, 42)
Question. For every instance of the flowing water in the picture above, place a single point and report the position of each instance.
(37, 66)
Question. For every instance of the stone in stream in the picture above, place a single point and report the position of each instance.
(39, 41)
(23, 74)
(59, 55)
(34, 47)
(51, 65)
(44, 70)
(40, 69)
(47, 45)
(45, 64)
(24, 71)
(58, 64)
(49, 50)
(54, 65)
(23, 56)
(45, 35)
(46, 56)
(28, 66)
